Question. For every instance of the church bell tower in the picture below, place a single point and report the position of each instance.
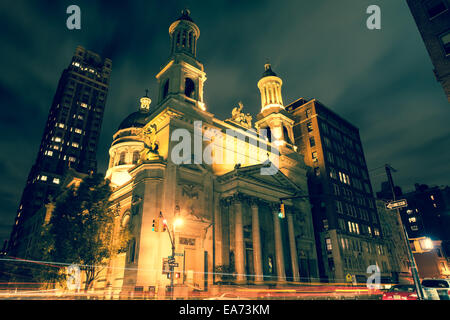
(273, 118)
(183, 77)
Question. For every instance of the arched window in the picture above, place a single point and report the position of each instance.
(166, 88)
(122, 158)
(286, 134)
(267, 133)
(189, 88)
(135, 157)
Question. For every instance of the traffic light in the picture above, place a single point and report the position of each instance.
(177, 275)
(155, 225)
(281, 214)
(164, 225)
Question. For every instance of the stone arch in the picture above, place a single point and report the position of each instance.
(189, 87)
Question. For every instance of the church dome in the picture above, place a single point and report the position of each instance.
(137, 119)
(268, 71)
(185, 15)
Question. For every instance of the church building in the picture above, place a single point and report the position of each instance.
(217, 200)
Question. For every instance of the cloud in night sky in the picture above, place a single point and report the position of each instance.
(381, 81)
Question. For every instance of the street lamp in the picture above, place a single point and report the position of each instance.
(178, 222)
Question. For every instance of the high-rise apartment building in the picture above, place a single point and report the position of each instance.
(346, 223)
(70, 140)
(433, 20)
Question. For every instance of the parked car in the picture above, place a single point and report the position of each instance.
(442, 287)
(401, 292)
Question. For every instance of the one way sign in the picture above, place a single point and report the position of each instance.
(396, 204)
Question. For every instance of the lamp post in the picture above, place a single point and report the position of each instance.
(412, 261)
(177, 222)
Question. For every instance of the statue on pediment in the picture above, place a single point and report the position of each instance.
(151, 145)
(241, 118)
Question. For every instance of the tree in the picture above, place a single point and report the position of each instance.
(81, 231)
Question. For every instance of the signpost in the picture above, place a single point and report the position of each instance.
(391, 205)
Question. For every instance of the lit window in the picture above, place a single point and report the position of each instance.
(314, 156)
(49, 153)
(84, 105)
(78, 131)
(72, 159)
(412, 219)
(56, 180)
(75, 144)
(414, 228)
(56, 139)
(80, 117)
(61, 125)
(309, 126)
(44, 178)
(329, 245)
(432, 197)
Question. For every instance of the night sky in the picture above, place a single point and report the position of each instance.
(382, 81)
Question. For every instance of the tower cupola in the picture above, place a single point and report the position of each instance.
(184, 34)
(270, 87)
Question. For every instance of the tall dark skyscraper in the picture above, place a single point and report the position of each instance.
(70, 139)
(346, 223)
(433, 20)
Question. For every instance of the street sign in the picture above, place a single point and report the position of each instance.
(173, 265)
(349, 277)
(179, 254)
(396, 204)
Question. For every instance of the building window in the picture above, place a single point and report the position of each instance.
(339, 207)
(122, 158)
(329, 245)
(79, 131)
(445, 40)
(312, 142)
(135, 156)
(56, 180)
(314, 156)
(189, 88)
(412, 219)
(325, 224)
(336, 189)
(333, 173)
(75, 144)
(317, 171)
(165, 89)
(44, 178)
(309, 126)
(435, 8)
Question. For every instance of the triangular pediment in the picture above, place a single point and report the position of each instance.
(253, 173)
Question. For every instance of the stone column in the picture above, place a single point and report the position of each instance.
(257, 256)
(281, 272)
(239, 242)
(293, 247)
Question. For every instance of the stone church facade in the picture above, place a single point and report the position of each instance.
(224, 180)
